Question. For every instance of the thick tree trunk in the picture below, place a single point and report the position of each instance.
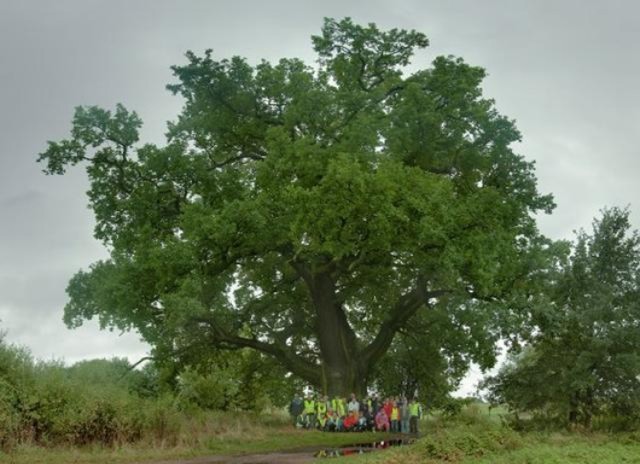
(342, 371)
(345, 363)
(573, 410)
(343, 380)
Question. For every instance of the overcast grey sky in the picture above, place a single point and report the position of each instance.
(566, 70)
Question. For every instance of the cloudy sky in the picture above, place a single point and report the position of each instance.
(566, 70)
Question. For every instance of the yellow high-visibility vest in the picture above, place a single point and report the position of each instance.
(309, 406)
(414, 409)
(395, 414)
(342, 409)
(338, 406)
(321, 407)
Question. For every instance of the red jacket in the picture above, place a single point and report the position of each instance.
(349, 421)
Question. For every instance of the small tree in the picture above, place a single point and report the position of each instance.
(584, 357)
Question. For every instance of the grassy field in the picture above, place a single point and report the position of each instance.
(474, 437)
(209, 435)
(551, 449)
(477, 437)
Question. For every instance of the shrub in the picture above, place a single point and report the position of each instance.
(453, 407)
(162, 421)
(456, 443)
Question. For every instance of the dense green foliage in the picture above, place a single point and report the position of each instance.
(434, 365)
(312, 213)
(48, 403)
(106, 402)
(583, 355)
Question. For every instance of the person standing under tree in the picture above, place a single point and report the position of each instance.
(309, 412)
(321, 411)
(296, 408)
(395, 417)
(405, 415)
(415, 413)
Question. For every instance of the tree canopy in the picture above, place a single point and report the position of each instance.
(310, 213)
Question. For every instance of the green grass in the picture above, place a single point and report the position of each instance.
(261, 439)
(579, 451)
(477, 437)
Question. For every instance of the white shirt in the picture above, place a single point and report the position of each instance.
(353, 406)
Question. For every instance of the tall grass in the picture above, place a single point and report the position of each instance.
(93, 403)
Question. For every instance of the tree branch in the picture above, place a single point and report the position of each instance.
(233, 159)
(407, 306)
(134, 365)
(295, 363)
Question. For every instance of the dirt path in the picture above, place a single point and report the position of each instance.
(297, 457)
(294, 456)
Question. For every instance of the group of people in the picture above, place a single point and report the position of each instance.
(396, 414)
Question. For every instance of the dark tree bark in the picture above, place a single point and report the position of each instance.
(573, 409)
(341, 371)
(346, 363)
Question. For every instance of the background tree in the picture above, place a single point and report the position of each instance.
(583, 356)
(309, 213)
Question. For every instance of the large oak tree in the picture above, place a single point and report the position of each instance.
(308, 212)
